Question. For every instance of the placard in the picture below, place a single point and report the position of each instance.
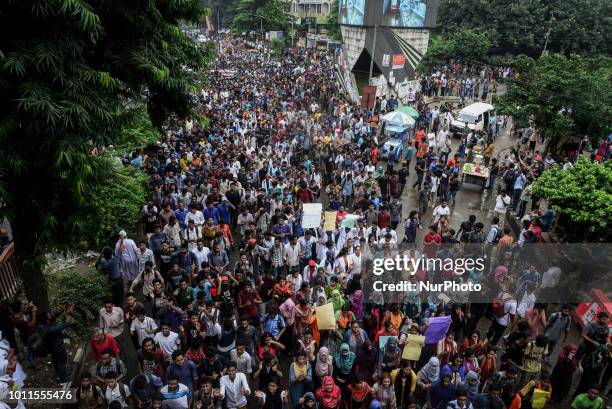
(311, 219)
(437, 329)
(412, 348)
(325, 317)
(330, 221)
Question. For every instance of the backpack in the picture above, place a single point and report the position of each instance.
(36, 343)
(509, 177)
(498, 235)
(121, 391)
(498, 304)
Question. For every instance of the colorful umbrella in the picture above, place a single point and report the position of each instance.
(410, 111)
(398, 119)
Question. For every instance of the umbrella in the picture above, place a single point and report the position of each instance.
(398, 119)
(410, 111)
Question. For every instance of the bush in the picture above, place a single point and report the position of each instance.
(87, 292)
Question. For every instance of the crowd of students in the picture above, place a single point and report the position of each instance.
(219, 296)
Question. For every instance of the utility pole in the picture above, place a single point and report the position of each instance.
(218, 31)
(372, 56)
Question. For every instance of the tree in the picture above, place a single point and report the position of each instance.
(465, 45)
(576, 26)
(253, 15)
(224, 10)
(582, 195)
(333, 27)
(71, 76)
(562, 96)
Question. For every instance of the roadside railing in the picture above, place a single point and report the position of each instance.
(8, 272)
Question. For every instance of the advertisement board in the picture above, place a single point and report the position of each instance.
(415, 14)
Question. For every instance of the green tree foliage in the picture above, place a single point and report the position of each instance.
(253, 15)
(582, 194)
(576, 26)
(333, 27)
(462, 45)
(222, 10)
(87, 292)
(562, 96)
(71, 76)
(115, 203)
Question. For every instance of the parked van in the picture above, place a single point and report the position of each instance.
(476, 116)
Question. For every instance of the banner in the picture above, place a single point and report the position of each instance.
(437, 329)
(385, 60)
(330, 221)
(398, 61)
(350, 220)
(413, 347)
(311, 219)
(325, 317)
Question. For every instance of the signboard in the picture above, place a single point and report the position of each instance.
(311, 219)
(398, 61)
(385, 60)
(368, 100)
(586, 312)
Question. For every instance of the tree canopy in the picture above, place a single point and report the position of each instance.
(333, 27)
(562, 96)
(462, 45)
(582, 194)
(576, 26)
(252, 15)
(74, 83)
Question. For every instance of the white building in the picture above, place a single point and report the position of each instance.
(311, 8)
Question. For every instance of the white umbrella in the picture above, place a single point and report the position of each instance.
(398, 119)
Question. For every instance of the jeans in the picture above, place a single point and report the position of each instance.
(516, 197)
(452, 197)
(59, 359)
(419, 180)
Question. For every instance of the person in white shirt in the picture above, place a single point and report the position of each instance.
(111, 320)
(292, 253)
(234, 388)
(201, 254)
(167, 340)
(143, 326)
(356, 260)
(195, 215)
(387, 230)
(176, 395)
(441, 210)
(191, 235)
(115, 391)
(144, 254)
(244, 362)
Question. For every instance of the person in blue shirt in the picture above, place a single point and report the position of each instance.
(211, 212)
(109, 265)
(224, 211)
(274, 323)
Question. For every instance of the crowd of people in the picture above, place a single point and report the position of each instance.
(218, 296)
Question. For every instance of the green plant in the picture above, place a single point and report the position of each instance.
(582, 194)
(87, 292)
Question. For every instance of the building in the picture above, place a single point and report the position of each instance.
(311, 8)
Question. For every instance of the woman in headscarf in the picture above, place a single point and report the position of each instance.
(357, 304)
(360, 393)
(309, 401)
(384, 392)
(344, 318)
(447, 347)
(329, 394)
(562, 374)
(271, 397)
(300, 377)
(488, 364)
(471, 385)
(337, 299)
(366, 361)
(428, 374)
(392, 354)
(344, 368)
(356, 337)
(443, 390)
(470, 362)
(323, 366)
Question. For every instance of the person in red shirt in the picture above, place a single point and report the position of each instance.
(374, 155)
(419, 137)
(248, 300)
(101, 342)
(305, 194)
(386, 331)
(431, 241)
(394, 184)
(536, 229)
(341, 214)
(384, 218)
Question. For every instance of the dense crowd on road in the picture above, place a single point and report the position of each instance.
(219, 295)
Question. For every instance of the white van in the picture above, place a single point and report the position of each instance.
(477, 116)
